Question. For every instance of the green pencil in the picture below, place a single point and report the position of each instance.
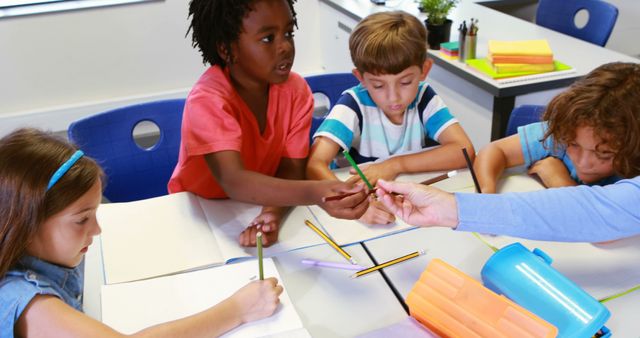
(260, 268)
(355, 166)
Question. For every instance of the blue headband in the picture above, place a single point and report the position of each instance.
(64, 168)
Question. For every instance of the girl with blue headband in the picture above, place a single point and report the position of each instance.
(49, 194)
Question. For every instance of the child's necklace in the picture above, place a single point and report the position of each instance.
(398, 143)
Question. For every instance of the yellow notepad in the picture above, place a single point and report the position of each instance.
(524, 47)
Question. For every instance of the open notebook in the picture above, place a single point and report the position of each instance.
(182, 232)
(130, 307)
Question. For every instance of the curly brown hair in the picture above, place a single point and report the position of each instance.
(388, 43)
(607, 100)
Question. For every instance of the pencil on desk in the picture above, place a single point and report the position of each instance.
(330, 241)
(355, 166)
(439, 178)
(473, 173)
(259, 244)
(388, 263)
(334, 265)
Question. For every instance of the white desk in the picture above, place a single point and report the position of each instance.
(478, 101)
(468, 254)
(329, 302)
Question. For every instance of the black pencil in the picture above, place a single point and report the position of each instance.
(473, 173)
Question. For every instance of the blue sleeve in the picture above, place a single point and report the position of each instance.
(533, 147)
(573, 214)
(15, 294)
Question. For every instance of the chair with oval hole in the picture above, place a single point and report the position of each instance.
(523, 115)
(134, 170)
(331, 85)
(561, 16)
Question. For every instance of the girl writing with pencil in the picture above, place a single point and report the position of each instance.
(245, 128)
(47, 222)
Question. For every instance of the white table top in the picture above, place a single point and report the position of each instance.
(329, 302)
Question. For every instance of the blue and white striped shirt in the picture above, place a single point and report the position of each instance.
(358, 124)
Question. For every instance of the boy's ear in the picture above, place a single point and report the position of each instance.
(426, 67)
(357, 74)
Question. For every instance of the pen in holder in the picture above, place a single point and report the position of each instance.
(468, 40)
(469, 49)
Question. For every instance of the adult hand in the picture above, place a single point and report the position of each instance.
(419, 205)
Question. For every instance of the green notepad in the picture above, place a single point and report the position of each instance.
(484, 66)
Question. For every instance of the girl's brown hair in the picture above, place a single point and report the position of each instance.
(388, 43)
(607, 100)
(28, 159)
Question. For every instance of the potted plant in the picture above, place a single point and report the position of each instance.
(438, 26)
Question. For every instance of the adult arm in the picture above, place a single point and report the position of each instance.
(572, 214)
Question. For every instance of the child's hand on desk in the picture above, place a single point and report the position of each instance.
(351, 201)
(257, 300)
(268, 221)
(373, 172)
(552, 172)
(377, 213)
(421, 205)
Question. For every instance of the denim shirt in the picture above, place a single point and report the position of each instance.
(31, 277)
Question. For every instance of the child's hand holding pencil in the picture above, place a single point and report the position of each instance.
(344, 200)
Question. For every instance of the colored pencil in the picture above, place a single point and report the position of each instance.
(388, 263)
(330, 241)
(355, 166)
(473, 173)
(439, 178)
(260, 266)
(334, 265)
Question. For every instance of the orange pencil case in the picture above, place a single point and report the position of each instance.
(452, 304)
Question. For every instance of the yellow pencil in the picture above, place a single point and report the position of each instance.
(330, 241)
(386, 264)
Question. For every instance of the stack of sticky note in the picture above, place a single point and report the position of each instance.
(449, 49)
(533, 56)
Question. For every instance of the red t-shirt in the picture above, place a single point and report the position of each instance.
(217, 119)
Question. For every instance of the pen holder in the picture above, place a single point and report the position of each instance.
(528, 279)
(469, 49)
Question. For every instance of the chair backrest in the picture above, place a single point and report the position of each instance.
(559, 15)
(523, 115)
(132, 172)
(332, 85)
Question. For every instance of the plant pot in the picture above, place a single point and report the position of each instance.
(438, 34)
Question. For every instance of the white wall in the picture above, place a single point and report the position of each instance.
(55, 68)
(624, 37)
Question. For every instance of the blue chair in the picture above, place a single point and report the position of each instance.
(523, 115)
(332, 85)
(133, 173)
(559, 15)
